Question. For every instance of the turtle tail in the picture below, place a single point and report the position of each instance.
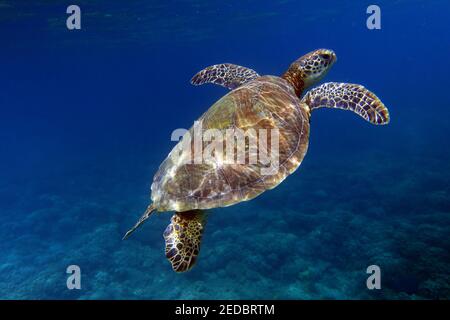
(183, 237)
(347, 96)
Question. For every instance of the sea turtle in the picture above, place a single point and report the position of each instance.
(191, 186)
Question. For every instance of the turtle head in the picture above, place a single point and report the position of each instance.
(309, 69)
(315, 65)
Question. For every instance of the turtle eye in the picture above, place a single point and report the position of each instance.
(325, 56)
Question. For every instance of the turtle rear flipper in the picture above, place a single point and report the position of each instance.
(227, 75)
(141, 220)
(348, 96)
(183, 236)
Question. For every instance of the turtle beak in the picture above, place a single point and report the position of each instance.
(334, 57)
(328, 56)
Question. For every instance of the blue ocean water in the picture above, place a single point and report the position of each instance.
(87, 116)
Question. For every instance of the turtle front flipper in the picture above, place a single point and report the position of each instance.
(348, 96)
(226, 75)
(183, 236)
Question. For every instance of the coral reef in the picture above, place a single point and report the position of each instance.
(302, 240)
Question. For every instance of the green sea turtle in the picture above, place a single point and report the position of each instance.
(277, 104)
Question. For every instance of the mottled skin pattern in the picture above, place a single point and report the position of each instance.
(266, 103)
(183, 236)
(309, 69)
(348, 96)
(227, 75)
